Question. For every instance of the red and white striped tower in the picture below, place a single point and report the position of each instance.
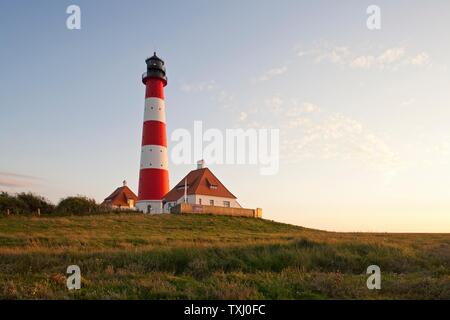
(154, 174)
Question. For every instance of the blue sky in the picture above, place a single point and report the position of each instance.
(363, 114)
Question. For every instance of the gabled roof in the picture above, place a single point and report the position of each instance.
(200, 181)
(120, 197)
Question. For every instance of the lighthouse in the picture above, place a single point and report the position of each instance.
(154, 174)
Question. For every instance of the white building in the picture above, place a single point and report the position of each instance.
(201, 187)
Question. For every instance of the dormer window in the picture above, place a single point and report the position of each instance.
(211, 185)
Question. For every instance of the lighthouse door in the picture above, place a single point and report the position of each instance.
(149, 209)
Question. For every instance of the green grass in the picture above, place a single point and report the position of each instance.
(210, 257)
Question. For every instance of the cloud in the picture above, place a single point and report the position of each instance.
(215, 91)
(429, 150)
(225, 99)
(198, 87)
(363, 62)
(12, 183)
(243, 116)
(337, 55)
(390, 58)
(408, 102)
(273, 73)
(442, 148)
(16, 175)
(13, 180)
(296, 110)
(334, 136)
(311, 132)
(308, 107)
(391, 55)
(422, 59)
(274, 104)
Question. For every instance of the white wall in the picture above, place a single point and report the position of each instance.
(194, 199)
(143, 206)
(218, 201)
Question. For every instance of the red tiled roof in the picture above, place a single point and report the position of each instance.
(120, 197)
(200, 181)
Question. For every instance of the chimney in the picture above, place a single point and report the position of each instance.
(200, 164)
(124, 183)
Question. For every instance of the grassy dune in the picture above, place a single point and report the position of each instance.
(206, 257)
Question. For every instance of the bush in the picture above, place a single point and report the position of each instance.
(29, 203)
(24, 203)
(34, 203)
(77, 205)
(11, 203)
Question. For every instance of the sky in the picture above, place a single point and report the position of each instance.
(363, 114)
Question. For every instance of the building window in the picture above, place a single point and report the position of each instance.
(226, 204)
(211, 202)
(199, 201)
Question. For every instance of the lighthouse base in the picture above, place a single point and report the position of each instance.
(150, 206)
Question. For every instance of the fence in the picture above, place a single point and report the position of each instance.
(187, 208)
